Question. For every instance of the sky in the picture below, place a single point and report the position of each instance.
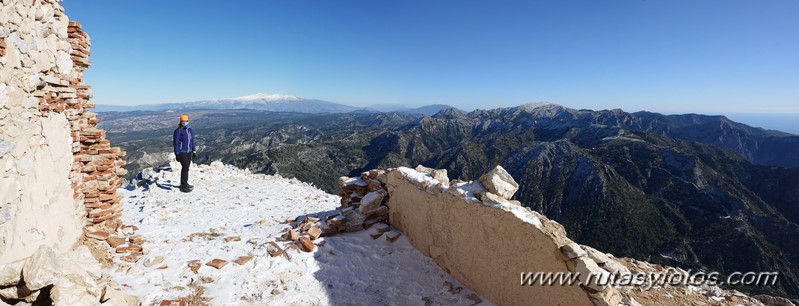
(670, 56)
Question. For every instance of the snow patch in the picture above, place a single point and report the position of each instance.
(265, 97)
(346, 269)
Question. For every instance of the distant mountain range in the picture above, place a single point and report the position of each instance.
(273, 103)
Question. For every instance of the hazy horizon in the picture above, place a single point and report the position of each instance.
(785, 122)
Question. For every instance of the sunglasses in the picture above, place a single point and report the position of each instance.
(184, 121)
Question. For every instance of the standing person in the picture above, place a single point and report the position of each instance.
(183, 141)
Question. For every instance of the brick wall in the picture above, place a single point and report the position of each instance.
(97, 166)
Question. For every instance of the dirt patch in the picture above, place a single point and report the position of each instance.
(203, 235)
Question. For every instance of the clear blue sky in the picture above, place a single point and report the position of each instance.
(667, 56)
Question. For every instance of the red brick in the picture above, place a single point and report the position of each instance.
(242, 260)
(217, 263)
(99, 235)
(307, 245)
(115, 241)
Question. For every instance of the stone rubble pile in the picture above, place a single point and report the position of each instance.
(363, 200)
(362, 206)
(123, 240)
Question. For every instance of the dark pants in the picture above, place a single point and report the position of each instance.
(185, 161)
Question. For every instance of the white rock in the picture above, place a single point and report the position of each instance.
(615, 267)
(9, 273)
(40, 269)
(24, 164)
(31, 82)
(13, 60)
(67, 292)
(81, 267)
(17, 42)
(475, 189)
(591, 275)
(424, 169)
(44, 62)
(493, 199)
(372, 201)
(52, 42)
(64, 63)
(115, 297)
(3, 96)
(499, 182)
(607, 298)
(438, 174)
(572, 250)
(597, 256)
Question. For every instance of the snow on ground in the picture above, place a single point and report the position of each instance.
(347, 269)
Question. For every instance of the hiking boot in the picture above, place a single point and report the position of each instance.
(185, 189)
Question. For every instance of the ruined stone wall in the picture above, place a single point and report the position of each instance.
(485, 240)
(60, 174)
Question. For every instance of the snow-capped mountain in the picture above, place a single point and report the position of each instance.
(259, 101)
(265, 97)
(274, 103)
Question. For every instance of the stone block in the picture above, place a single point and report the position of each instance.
(217, 263)
(306, 244)
(499, 182)
(241, 260)
(572, 250)
(392, 236)
(314, 232)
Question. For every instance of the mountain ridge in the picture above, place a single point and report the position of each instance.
(275, 103)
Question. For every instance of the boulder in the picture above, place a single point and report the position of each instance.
(475, 189)
(572, 250)
(41, 269)
(438, 174)
(115, 297)
(616, 267)
(493, 199)
(607, 298)
(591, 275)
(598, 257)
(9, 273)
(499, 182)
(372, 201)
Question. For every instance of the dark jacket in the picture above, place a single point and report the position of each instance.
(183, 140)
